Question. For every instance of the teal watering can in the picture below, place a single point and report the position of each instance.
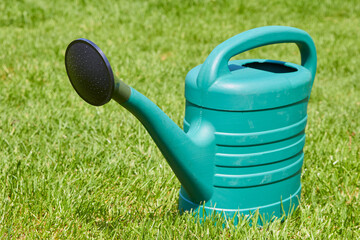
(241, 148)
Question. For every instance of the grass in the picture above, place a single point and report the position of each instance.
(69, 170)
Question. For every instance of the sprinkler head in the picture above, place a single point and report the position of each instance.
(89, 72)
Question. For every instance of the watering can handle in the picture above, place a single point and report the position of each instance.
(216, 64)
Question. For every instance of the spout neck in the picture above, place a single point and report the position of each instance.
(121, 92)
(184, 155)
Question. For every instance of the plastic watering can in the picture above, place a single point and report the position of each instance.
(241, 149)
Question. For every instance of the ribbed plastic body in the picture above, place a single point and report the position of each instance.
(257, 162)
(257, 110)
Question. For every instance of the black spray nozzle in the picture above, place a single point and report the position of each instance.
(89, 72)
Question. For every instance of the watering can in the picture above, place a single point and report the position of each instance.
(241, 147)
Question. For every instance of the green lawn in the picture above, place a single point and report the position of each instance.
(70, 170)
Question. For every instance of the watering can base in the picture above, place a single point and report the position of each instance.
(268, 213)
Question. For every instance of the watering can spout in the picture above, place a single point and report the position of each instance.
(184, 153)
(91, 75)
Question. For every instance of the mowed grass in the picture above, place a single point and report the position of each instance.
(71, 170)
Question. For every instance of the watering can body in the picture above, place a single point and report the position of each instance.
(257, 110)
(241, 146)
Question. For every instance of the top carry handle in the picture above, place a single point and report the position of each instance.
(216, 63)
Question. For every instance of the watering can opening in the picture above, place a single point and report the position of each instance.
(271, 66)
(268, 66)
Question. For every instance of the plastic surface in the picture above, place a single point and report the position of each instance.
(258, 109)
(241, 149)
(240, 85)
(186, 154)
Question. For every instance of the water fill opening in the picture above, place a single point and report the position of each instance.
(271, 67)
